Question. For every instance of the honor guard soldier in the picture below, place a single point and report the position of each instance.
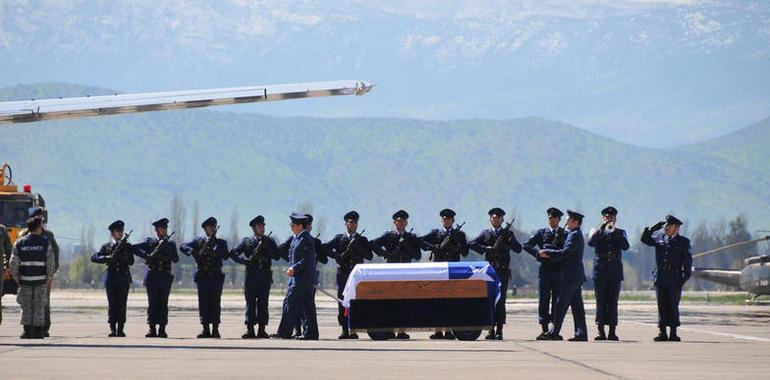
(5, 259)
(209, 252)
(257, 253)
(572, 278)
(32, 265)
(349, 249)
(159, 253)
(39, 212)
(447, 244)
(552, 236)
(496, 244)
(674, 266)
(118, 255)
(608, 242)
(302, 279)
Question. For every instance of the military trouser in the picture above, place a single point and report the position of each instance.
(668, 296)
(48, 308)
(32, 299)
(117, 299)
(570, 296)
(505, 276)
(607, 294)
(209, 296)
(548, 292)
(157, 303)
(295, 305)
(342, 280)
(256, 290)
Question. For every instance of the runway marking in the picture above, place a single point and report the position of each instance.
(716, 333)
(557, 357)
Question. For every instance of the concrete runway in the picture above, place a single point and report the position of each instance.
(719, 341)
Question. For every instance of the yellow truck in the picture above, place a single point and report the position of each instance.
(15, 204)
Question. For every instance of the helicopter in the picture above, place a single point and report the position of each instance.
(754, 278)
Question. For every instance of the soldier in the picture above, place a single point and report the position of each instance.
(159, 253)
(674, 265)
(39, 212)
(447, 244)
(552, 236)
(257, 253)
(609, 242)
(495, 244)
(32, 265)
(571, 283)
(349, 249)
(5, 259)
(208, 252)
(118, 255)
(302, 279)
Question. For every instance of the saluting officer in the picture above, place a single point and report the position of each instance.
(447, 245)
(609, 242)
(496, 244)
(349, 249)
(572, 278)
(549, 276)
(257, 253)
(674, 266)
(159, 253)
(118, 254)
(209, 252)
(39, 212)
(302, 279)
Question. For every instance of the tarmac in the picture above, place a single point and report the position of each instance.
(719, 341)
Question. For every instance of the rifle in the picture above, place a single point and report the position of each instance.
(349, 248)
(157, 248)
(400, 247)
(208, 246)
(256, 254)
(118, 251)
(496, 252)
(442, 247)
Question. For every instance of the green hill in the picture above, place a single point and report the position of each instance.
(93, 171)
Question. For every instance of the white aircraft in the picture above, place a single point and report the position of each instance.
(65, 108)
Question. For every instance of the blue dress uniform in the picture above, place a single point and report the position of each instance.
(159, 256)
(608, 245)
(571, 287)
(299, 294)
(118, 256)
(209, 278)
(673, 260)
(500, 259)
(549, 273)
(257, 254)
(348, 250)
(399, 247)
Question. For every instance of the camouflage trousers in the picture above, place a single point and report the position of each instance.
(33, 300)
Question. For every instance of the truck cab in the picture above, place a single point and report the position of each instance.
(15, 204)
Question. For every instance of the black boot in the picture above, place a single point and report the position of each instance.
(249, 332)
(437, 335)
(499, 334)
(261, 333)
(215, 330)
(120, 330)
(662, 337)
(345, 333)
(544, 327)
(602, 335)
(27, 332)
(151, 333)
(449, 335)
(491, 335)
(672, 337)
(162, 331)
(38, 332)
(612, 335)
(113, 331)
(205, 333)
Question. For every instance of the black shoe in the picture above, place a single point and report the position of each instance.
(613, 337)
(600, 337)
(344, 335)
(162, 332)
(112, 334)
(353, 336)
(306, 337)
(120, 333)
(402, 335)
(543, 336)
(491, 335)
(660, 338)
(205, 333)
(578, 338)
(276, 336)
(152, 333)
(249, 333)
(499, 336)
(37, 332)
(449, 335)
(437, 335)
(215, 330)
(674, 338)
(261, 334)
(46, 334)
(27, 334)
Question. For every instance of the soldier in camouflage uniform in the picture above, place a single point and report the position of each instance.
(32, 265)
(39, 212)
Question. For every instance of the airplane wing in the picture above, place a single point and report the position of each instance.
(720, 276)
(66, 108)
